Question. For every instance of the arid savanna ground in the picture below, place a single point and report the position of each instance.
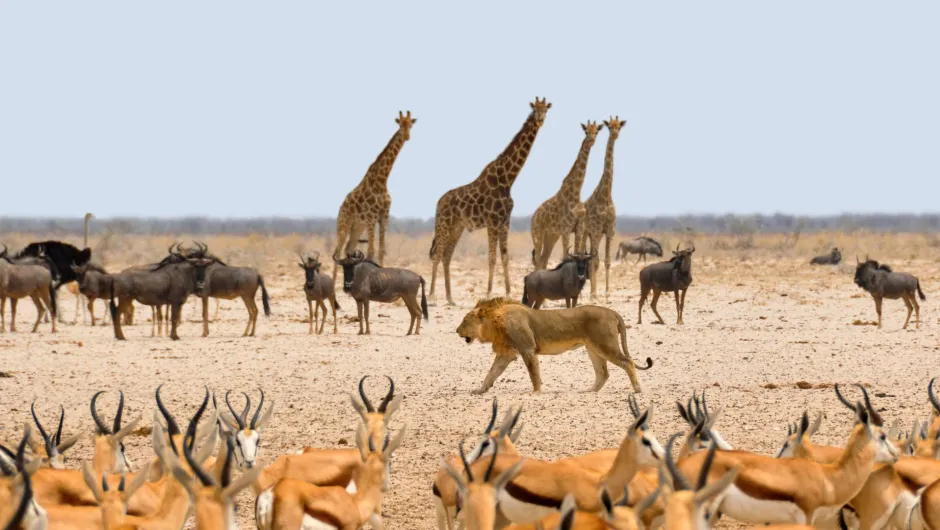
(759, 321)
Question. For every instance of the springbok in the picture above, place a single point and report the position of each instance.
(109, 455)
(686, 507)
(294, 504)
(247, 433)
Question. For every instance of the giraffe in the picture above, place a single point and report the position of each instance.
(601, 216)
(485, 202)
(369, 202)
(564, 212)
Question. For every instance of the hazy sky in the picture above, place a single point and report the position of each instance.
(277, 108)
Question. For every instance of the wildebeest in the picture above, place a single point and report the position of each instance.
(22, 280)
(673, 276)
(366, 281)
(564, 282)
(833, 258)
(879, 280)
(219, 280)
(62, 254)
(93, 285)
(640, 246)
(166, 285)
(317, 288)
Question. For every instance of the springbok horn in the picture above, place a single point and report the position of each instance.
(388, 397)
(254, 419)
(172, 428)
(102, 428)
(933, 397)
(679, 481)
(362, 394)
(466, 465)
(489, 468)
(844, 401)
(489, 427)
(57, 438)
(120, 412)
(871, 410)
(50, 448)
(238, 419)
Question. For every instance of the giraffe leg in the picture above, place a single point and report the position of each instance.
(608, 240)
(383, 228)
(595, 265)
(548, 245)
(536, 247)
(492, 240)
(342, 232)
(504, 255)
(449, 249)
(370, 231)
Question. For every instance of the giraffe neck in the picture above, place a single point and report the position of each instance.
(571, 186)
(604, 190)
(507, 166)
(382, 167)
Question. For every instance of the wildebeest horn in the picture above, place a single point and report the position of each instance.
(303, 259)
(170, 250)
(693, 247)
(362, 394)
(316, 256)
(388, 397)
(102, 428)
(677, 247)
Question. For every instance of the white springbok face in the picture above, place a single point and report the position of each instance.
(247, 433)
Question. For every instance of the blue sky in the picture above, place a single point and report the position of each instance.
(254, 109)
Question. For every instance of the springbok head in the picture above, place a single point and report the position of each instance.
(247, 434)
(52, 450)
(109, 440)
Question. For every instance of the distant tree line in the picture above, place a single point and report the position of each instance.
(705, 223)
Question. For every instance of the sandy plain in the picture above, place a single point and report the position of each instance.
(759, 320)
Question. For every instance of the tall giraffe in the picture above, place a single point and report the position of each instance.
(485, 202)
(564, 212)
(601, 217)
(369, 202)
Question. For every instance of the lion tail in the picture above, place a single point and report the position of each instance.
(623, 344)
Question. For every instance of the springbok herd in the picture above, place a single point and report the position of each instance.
(879, 477)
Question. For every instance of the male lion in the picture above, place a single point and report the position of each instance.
(515, 329)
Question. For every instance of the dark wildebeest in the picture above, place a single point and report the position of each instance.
(22, 280)
(367, 281)
(640, 246)
(882, 282)
(673, 276)
(318, 287)
(833, 258)
(219, 280)
(63, 255)
(166, 285)
(93, 285)
(564, 282)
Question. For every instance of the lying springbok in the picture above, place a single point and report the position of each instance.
(52, 450)
(109, 454)
(833, 258)
(294, 504)
(247, 433)
(18, 508)
(564, 282)
(686, 508)
(640, 246)
(802, 491)
(166, 285)
(481, 491)
(366, 281)
(318, 287)
(673, 276)
(881, 282)
(221, 281)
(20, 281)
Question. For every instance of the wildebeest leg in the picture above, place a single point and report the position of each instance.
(567, 303)
(312, 316)
(91, 311)
(205, 316)
(333, 306)
(600, 370)
(160, 320)
(361, 320)
(13, 302)
(40, 311)
(531, 361)
(3, 317)
(153, 321)
(538, 303)
(644, 292)
(878, 310)
(215, 316)
(412, 303)
(910, 308)
(638, 256)
(656, 293)
(252, 308)
(322, 305)
(678, 308)
(175, 310)
(365, 311)
(916, 308)
(682, 306)
(500, 362)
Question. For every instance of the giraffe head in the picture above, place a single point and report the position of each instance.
(591, 129)
(614, 124)
(539, 110)
(405, 121)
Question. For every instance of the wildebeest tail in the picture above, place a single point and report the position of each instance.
(53, 305)
(433, 247)
(919, 292)
(335, 304)
(525, 295)
(424, 301)
(112, 305)
(619, 248)
(265, 301)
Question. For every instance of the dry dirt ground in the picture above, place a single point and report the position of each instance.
(755, 327)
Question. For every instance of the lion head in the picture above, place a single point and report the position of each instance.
(479, 322)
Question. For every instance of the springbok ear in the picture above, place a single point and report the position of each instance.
(507, 475)
(88, 475)
(138, 481)
(815, 425)
(708, 492)
(360, 408)
(68, 443)
(242, 482)
(183, 478)
(392, 407)
(265, 418)
(362, 443)
(567, 513)
(127, 429)
(455, 475)
(396, 442)
(606, 502)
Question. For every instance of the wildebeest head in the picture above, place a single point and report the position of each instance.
(583, 264)
(311, 267)
(200, 265)
(835, 256)
(349, 268)
(405, 121)
(865, 270)
(682, 259)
